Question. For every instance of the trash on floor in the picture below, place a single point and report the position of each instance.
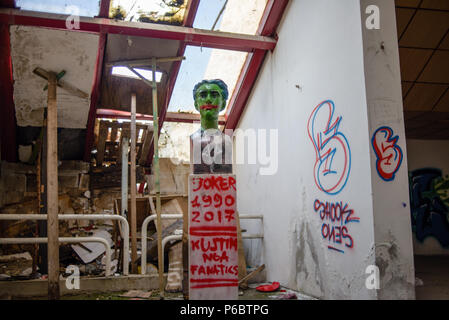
(269, 287)
(137, 294)
(16, 265)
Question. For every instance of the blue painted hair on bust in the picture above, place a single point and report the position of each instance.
(218, 82)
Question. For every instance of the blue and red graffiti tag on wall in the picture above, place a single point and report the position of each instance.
(333, 155)
(429, 202)
(388, 153)
(335, 217)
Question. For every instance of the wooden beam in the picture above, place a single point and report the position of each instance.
(190, 36)
(52, 190)
(62, 84)
(133, 214)
(145, 149)
(101, 146)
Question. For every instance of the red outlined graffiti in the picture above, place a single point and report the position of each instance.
(333, 154)
(213, 245)
(335, 218)
(388, 153)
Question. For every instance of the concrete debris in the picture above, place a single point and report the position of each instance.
(418, 282)
(137, 294)
(16, 265)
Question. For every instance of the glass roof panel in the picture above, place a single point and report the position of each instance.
(84, 8)
(158, 11)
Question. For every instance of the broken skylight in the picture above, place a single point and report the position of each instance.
(125, 72)
(158, 11)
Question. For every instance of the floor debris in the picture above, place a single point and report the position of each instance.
(137, 294)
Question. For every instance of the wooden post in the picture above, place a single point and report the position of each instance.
(124, 156)
(52, 190)
(157, 180)
(133, 187)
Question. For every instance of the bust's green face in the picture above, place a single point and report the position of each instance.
(209, 100)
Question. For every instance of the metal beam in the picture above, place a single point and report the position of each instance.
(245, 83)
(8, 3)
(8, 125)
(176, 66)
(95, 92)
(104, 8)
(169, 117)
(190, 36)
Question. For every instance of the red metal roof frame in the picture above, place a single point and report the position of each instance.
(188, 22)
(268, 24)
(8, 124)
(191, 36)
(95, 93)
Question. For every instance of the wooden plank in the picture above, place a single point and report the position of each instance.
(146, 145)
(114, 132)
(124, 135)
(52, 190)
(133, 186)
(102, 135)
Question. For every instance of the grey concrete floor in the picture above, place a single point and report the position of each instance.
(434, 273)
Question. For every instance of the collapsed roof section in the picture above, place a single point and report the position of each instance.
(86, 52)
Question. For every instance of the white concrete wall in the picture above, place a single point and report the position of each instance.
(319, 56)
(389, 175)
(428, 154)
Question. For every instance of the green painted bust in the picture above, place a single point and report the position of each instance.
(210, 99)
(211, 150)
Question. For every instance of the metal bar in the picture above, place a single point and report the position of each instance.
(143, 62)
(65, 240)
(144, 230)
(133, 186)
(190, 36)
(124, 200)
(169, 117)
(125, 227)
(167, 239)
(150, 218)
(157, 185)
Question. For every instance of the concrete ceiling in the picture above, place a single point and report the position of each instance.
(52, 50)
(423, 34)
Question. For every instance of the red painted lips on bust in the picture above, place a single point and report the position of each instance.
(208, 107)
